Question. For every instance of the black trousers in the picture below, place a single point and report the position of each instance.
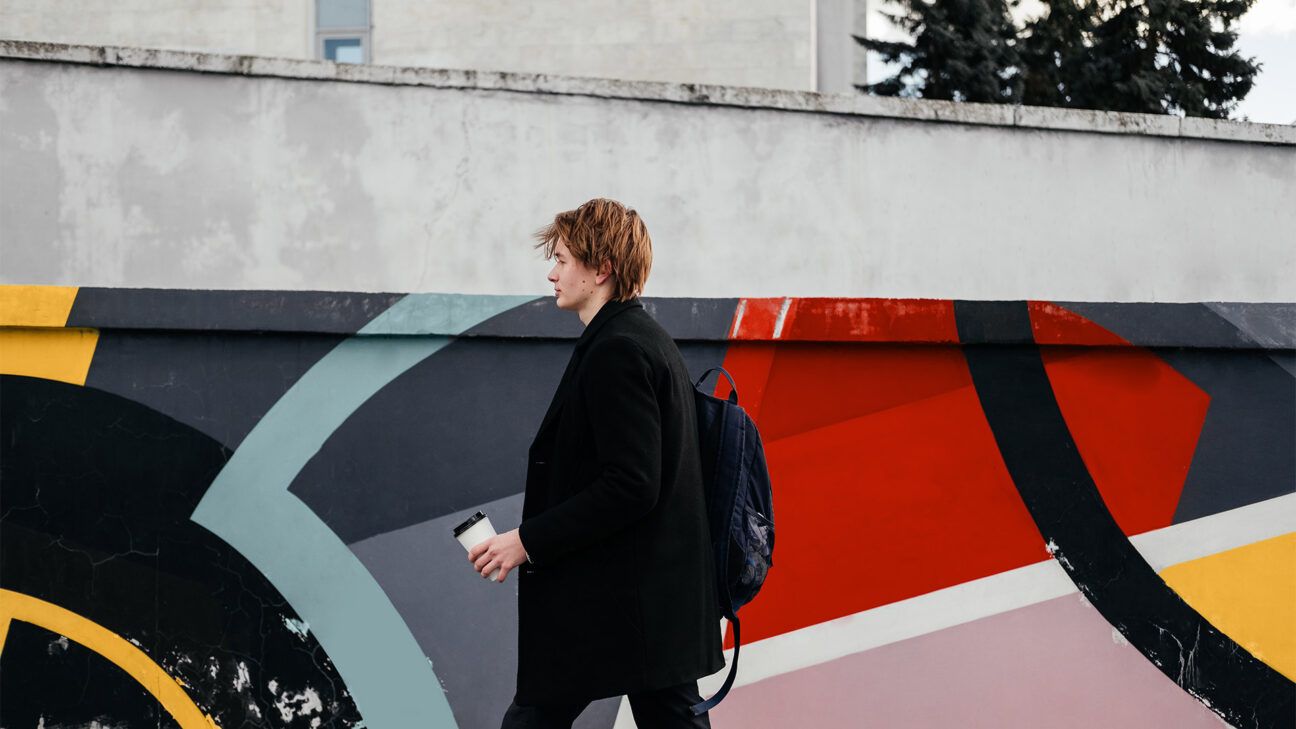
(666, 708)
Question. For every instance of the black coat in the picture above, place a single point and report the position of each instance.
(621, 596)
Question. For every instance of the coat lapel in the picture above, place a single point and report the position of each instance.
(605, 314)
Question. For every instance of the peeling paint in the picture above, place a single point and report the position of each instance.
(301, 704)
(299, 627)
(59, 645)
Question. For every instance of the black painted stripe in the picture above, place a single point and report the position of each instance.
(1062, 498)
(293, 311)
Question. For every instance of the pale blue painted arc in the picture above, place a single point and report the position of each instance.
(249, 506)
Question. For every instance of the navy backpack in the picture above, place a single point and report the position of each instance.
(740, 508)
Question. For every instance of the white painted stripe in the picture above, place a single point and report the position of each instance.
(738, 317)
(959, 604)
(1218, 532)
(782, 316)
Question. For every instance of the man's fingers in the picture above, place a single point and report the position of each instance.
(490, 568)
(482, 560)
(504, 570)
(476, 551)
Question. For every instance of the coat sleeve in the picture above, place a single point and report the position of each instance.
(625, 420)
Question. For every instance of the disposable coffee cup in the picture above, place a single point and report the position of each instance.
(473, 531)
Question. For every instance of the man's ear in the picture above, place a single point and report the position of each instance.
(604, 272)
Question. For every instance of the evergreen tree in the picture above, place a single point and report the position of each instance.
(1056, 53)
(963, 50)
(1171, 56)
(1154, 56)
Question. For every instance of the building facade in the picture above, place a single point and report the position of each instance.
(802, 45)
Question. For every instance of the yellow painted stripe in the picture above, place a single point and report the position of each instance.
(4, 630)
(1249, 593)
(168, 692)
(36, 306)
(50, 354)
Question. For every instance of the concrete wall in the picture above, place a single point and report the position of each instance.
(135, 168)
(767, 43)
(238, 506)
(282, 28)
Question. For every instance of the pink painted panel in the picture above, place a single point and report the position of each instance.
(1054, 664)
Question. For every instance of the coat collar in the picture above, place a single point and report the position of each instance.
(604, 314)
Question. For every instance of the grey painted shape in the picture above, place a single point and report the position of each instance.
(220, 384)
(683, 318)
(290, 311)
(702, 356)
(1285, 360)
(393, 463)
(466, 625)
(1164, 324)
(537, 318)
(693, 318)
(1244, 452)
(450, 432)
(1272, 326)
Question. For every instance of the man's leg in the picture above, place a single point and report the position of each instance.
(668, 708)
(549, 716)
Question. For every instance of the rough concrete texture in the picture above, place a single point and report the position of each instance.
(741, 42)
(134, 167)
(265, 27)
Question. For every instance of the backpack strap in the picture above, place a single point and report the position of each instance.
(733, 387)
(703, 707)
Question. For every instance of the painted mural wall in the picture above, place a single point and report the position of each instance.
(233, 508)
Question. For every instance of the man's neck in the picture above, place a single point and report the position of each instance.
(592, 308)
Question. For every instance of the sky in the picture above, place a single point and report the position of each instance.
(1266, 33)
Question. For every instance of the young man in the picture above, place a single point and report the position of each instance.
(616, 588)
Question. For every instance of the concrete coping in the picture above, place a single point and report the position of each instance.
(860, 105)
(864, 321)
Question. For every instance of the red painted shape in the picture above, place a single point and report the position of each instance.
(845, 320)
(749, 363)
(755, 319)
(1135, 421)
(872, 320)
(888, 482)
(884, 507)
(811, 385)
(1054, 324)
(1134, 418)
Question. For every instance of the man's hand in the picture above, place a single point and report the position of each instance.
(501, 552)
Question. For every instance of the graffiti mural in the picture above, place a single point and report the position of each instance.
(233, 508)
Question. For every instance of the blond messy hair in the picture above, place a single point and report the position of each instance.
(604, 230)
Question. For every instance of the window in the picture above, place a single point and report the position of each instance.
(342, 30)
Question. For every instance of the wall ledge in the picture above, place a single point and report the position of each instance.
(856, 105)
(1221, 325)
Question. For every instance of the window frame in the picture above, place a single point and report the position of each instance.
(364, 33)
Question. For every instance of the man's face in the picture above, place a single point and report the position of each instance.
(573, 281)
